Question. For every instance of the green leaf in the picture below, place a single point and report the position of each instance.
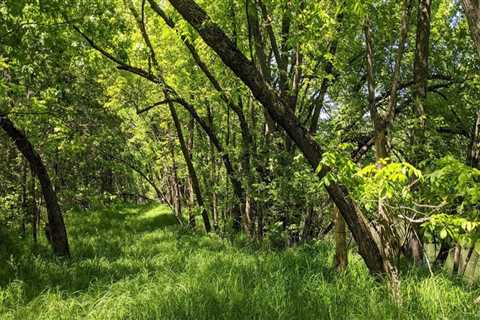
(443, 233)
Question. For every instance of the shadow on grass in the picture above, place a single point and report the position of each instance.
(100, 242)
(124, 243)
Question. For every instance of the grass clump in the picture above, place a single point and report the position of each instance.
(135, 263)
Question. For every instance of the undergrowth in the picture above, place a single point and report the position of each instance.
(135, 263)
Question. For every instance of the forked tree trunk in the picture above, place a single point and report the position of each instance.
(58, 232)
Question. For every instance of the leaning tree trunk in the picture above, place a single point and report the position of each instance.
(190, 168)
(247, 72)
(56, 225)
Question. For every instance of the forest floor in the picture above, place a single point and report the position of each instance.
(133, 262)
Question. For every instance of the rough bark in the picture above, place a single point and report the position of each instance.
(58, 232)
(472, 12)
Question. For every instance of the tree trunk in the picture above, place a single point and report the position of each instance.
(245, 70)
(421, 56)
(25, 210)
(442, 255)
(457, 259)
(56, 224)
(34, 212)
(191, 170)
(341, 253)
(177, 204)
(473, 158)
(472, 12)
(191, 191)
(464, 267)
(388, 239)
(213, 175)
(415, 246)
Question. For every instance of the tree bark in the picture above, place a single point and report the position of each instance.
(472, 12)
(177, 204)
(421, 56)
(442, 255)
(191, 191)
(464, 267)
(341, 253)
(457, 259)
(388, 239)
(58, 232)
(473, 158)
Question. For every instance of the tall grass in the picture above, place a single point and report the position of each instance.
(134, 263)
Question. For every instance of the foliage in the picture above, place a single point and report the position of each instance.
(131, 262)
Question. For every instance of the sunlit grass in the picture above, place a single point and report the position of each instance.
(135, 263)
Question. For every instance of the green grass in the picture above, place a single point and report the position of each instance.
(134, 263)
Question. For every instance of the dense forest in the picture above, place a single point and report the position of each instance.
(250, 159)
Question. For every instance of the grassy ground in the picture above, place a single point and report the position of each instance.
(134, 263)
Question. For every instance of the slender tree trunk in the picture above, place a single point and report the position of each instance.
(442, 255)
(457, 259)
(191, 170)
(415, 246)
(308, 225)
(35, 213)
(341, 253)
(56, 224)
(421, 56)
(177, 204)
(388, 239)
(213, 173)
(464, 267)
(473, 158)
(191, 130)
(474, 264)
(24, 197)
